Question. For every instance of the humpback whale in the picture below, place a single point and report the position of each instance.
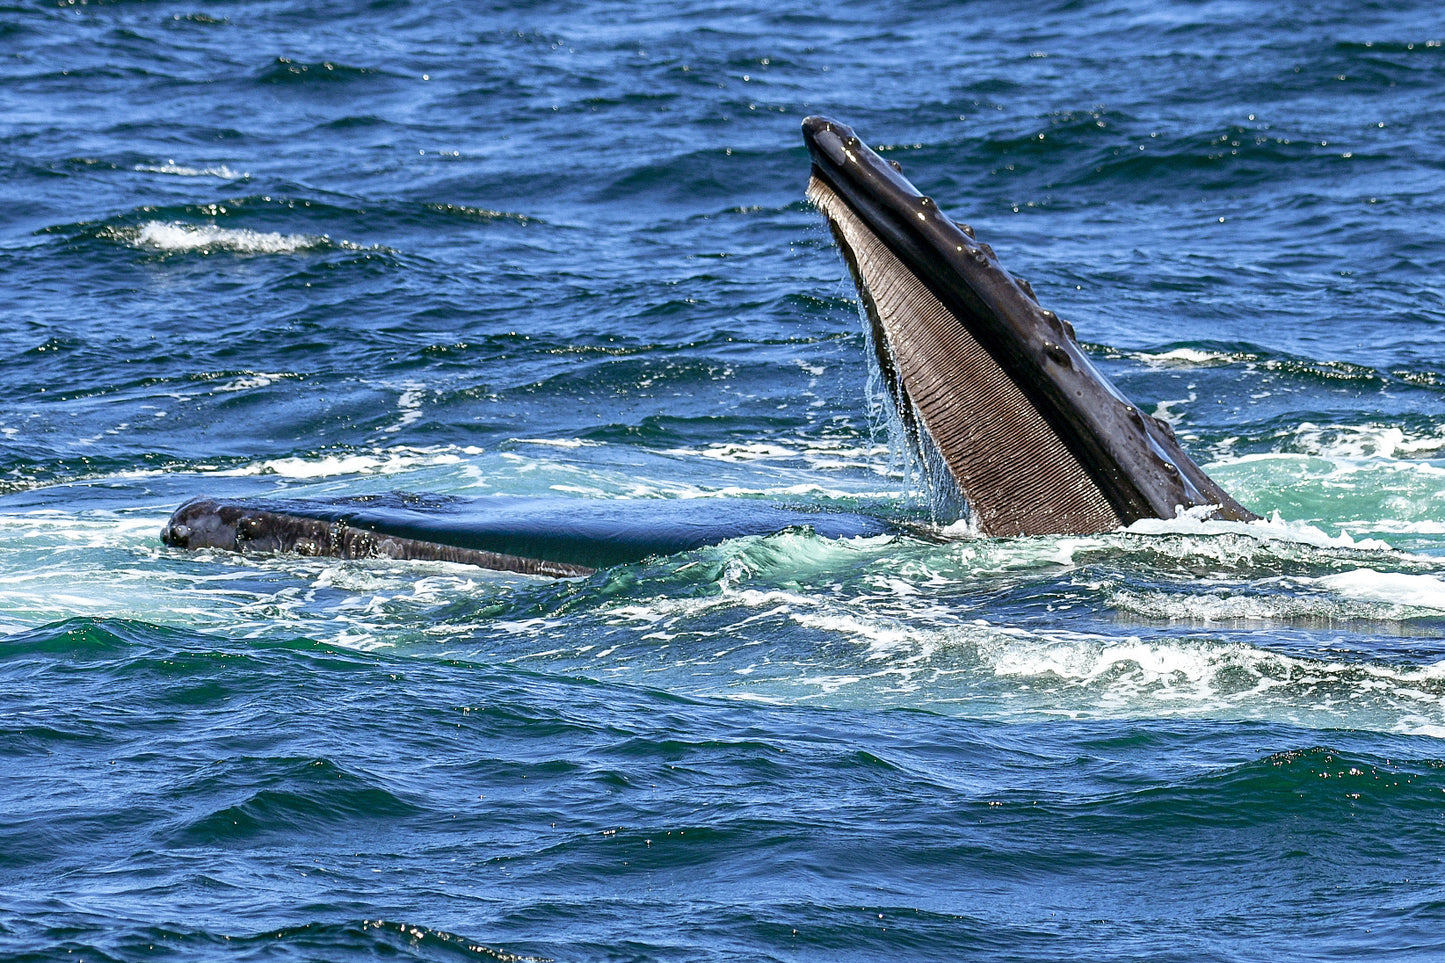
(560, 537)
(988, 384)
(983, 378)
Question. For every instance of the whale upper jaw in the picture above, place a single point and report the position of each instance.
(558, 537)
(314, 528)
(985, 379)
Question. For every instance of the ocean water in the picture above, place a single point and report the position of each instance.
(314, 249)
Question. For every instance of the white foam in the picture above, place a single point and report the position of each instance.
(1377, 494)
(1089, 676)
(1164, 410)
(180, 237)
(809, 490)
(739, 452)
(1411, 591)
(1332, 599)
(963, 528)
(557, 442)
(1195, 521)
(390, 462)
(905, 649)
(409, 406)
(1364, 441)
(849, 623)
(1184, 357)
(180, 170)
(251, 381)
(1406, 527)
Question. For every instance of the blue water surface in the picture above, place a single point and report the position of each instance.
(260, 248)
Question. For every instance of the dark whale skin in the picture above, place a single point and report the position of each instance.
(558, 537)
(1037, 440)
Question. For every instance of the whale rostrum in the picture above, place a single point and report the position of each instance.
(555, 536)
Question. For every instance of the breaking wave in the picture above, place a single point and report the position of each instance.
(178, 237)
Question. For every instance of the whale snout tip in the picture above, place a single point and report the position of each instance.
(176, 534)
(194, 525)
(814, 125)
(829, 141)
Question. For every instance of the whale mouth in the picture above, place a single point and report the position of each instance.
(987, 382)
(990, 386)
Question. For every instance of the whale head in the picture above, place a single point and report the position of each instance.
(984, 379)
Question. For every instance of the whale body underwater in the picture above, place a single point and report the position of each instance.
(992, 389)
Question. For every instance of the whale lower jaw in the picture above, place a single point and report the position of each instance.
(985, 380)
(956, 405)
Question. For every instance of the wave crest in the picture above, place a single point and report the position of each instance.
(179, 237)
